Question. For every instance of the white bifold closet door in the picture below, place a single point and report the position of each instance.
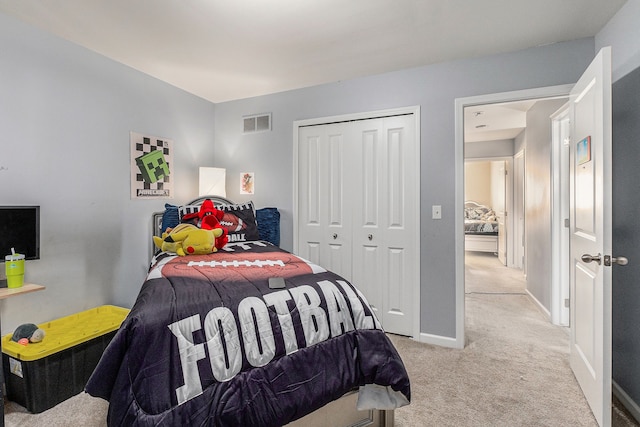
(357, 209)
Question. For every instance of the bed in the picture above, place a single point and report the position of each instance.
(212, 341)
(480, 228)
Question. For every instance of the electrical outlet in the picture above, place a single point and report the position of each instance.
(436, 212)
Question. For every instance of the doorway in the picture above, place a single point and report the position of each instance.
(590, 225)
(461, 151)
(529, 124)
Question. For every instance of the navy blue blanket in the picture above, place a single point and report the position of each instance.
(208, 342)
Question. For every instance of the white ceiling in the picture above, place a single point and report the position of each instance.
(496, 121)
(223, 50)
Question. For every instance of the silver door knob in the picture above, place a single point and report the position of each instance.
(370, 236)
(619, 260)
(335, 236)
(608, 260)
(591, 258)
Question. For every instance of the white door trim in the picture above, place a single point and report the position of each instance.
(560, 210)
(460, 104)
(517, 235)
(415, 110)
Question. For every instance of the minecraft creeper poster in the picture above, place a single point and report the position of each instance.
(151, 161)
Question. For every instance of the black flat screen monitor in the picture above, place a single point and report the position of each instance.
(20, 229)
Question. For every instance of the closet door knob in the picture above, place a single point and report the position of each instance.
(335, 236)
(370, 236)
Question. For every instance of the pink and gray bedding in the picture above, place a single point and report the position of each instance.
(210, 343)
(479, 219)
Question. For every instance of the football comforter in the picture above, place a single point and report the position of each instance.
(209, 342)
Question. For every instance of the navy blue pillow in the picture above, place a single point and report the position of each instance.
(170, 217)
(268, 220)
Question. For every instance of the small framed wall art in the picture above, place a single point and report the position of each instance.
(247, 182)
(583, 151)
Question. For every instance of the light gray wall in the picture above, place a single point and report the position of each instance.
(623, 34)
(538, 199)
(65, 117)
(435, 89)
(487, 149)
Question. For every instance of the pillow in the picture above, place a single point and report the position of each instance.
(240, 222)
(268, 220)
(170, 217)
(188, 212)
(489, 216)
(475, 212)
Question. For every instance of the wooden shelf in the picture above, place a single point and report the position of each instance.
(24, 289)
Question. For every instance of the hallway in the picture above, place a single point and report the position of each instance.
(496, 287)
(485, 274)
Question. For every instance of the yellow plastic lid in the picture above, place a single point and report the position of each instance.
(66, 332)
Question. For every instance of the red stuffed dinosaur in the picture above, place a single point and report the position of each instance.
(210, 218)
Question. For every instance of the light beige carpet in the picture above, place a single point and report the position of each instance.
(514, 370)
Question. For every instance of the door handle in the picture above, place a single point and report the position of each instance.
(608, 260)
(335, 236)
(591, 258)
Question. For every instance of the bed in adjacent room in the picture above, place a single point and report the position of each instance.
(250, 335)
(480, 228)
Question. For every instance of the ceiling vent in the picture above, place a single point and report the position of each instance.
(257, 123)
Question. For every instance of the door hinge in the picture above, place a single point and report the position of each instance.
(566, 223)
(566, 302)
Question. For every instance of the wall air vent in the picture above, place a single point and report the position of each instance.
(257, 123)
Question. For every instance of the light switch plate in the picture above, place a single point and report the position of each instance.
(436, 212)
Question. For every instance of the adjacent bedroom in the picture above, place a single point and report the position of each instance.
(484, 207)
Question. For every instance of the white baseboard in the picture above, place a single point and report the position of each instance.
(541, 307)
(624, 398)
(439, 340)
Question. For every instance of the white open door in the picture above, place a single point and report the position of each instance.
(590, 227)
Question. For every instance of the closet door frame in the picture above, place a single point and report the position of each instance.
(415, 110)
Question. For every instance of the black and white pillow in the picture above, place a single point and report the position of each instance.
(240, 222)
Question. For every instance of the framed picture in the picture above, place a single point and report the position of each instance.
(151, 162)
(583, 151)
(247, 182)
